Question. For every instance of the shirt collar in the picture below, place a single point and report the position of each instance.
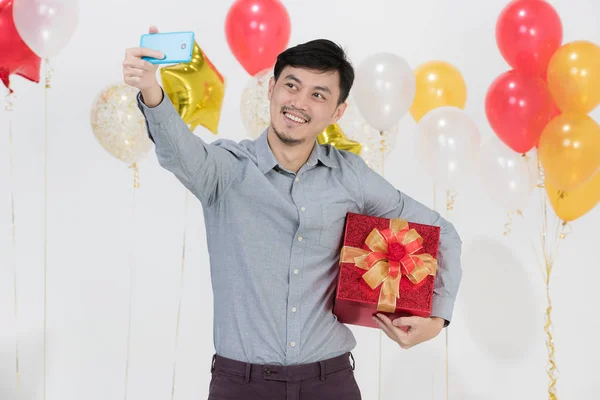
(267, 160)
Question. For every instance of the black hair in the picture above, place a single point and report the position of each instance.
(321, 55)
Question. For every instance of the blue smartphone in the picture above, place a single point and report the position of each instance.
(176, 46)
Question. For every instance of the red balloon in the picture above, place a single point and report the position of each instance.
(15, 56)
(518, 107)
(257, 31)
(528, 32)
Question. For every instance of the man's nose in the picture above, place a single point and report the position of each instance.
(300, 102)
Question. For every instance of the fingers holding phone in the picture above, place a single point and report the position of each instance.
(138, 72)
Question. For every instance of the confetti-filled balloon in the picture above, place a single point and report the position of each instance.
(254, 105)
(119, 125)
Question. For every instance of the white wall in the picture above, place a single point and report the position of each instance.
(496, 341)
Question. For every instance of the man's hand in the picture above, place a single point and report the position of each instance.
(141, 74)
(410, 331)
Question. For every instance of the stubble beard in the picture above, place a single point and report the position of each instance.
(286, 139)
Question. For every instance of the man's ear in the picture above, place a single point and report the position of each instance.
(271, 86)
(339, 112)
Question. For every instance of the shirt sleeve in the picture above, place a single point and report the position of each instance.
(381, 199)
(206, 170)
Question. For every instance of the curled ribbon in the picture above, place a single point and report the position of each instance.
(391, 255)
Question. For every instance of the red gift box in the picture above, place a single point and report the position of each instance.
(386, 266)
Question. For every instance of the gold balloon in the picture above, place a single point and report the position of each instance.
(196, 90)
(439, 84)
(334, 136)
(574, 77)
(572, 205)
(569, 150)
(118, 124)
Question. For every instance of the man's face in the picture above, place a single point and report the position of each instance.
(303, 103)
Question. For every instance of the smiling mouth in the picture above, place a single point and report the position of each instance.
(294, 118)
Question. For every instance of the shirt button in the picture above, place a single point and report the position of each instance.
(297, 179)
(293, 344)
(293, 309)
(300, 238)
(296, 271)
(302, 209)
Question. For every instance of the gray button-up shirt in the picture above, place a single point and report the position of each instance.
(274, 238)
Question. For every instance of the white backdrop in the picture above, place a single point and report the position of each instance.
(496, 343)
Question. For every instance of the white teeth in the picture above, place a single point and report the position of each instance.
(294, 118)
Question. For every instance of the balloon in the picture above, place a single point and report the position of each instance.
(528, 32)
(196, 89)
(438, 84)
(570, 150)
(570, 206)
(518, 107)
(358, 129)
(46, 25)
(118, 124)
(16, 57)
(257, 31)
(334, 136)
(384, 89)
(447, 145)
(254, 104)
(574, 77)
(508, 177)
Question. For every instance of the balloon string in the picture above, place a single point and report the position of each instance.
(508, 225)
(450, 200)
(447, 365)
(8, 104)
(383, 147)
(566, 230)
(183, 253)
(136, 175)
(9, 108)
(541, 184)
(434, 366)
(549, 254)
(49, 71)
(131, 268)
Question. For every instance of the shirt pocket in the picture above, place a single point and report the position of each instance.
(333, 221)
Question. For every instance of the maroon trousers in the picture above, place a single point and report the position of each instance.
(325, 380)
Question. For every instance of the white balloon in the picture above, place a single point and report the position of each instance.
(46, 26)
(384, 89)
(447, 146)
(356, 128)
(509, 177)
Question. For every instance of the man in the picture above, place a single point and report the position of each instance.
(274, 210)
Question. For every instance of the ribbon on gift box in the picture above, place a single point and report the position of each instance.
(391, 255)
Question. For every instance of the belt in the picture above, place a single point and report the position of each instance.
(286, 373)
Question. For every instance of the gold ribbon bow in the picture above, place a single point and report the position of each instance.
(387, 268)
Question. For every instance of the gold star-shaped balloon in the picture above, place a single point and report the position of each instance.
(334, 136)
(196, 90)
